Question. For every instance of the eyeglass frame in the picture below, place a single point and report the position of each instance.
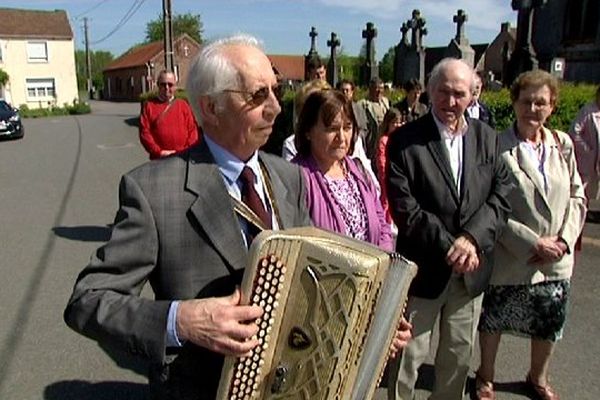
(254, 98)
(165, 84)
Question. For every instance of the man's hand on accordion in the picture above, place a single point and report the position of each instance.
(403, 335)
(219, 324)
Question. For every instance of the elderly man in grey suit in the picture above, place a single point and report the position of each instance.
(447, 189)
(177, 228)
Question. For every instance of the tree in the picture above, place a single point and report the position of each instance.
(386, 65)
(3, 77)
(182, 23)
(99, 60)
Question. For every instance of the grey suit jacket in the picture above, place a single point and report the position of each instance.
(430, 211)
(177, 229)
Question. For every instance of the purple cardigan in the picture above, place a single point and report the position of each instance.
(324, 211)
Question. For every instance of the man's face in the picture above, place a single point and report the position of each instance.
(348, 90)
(167, 86)
(246, 119)
(452, 94)
(318, 73)
(376, 91)
(477, 88)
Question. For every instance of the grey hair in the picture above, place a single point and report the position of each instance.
(443, 66)
(211, 72)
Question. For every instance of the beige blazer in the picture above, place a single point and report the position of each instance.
(536, 213)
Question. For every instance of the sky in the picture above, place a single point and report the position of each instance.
(283, 25)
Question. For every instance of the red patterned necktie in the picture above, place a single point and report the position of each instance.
(251, 198)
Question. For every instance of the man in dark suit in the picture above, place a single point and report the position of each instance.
(447, 189)
(176, 228)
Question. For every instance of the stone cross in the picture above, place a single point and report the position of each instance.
(313, 40)
(334, 42)
(417, 25)
(404, 29)
(332, 75)
(460, 18)
(523, 57)
(370, 33)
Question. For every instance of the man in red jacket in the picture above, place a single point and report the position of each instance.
(167, 124)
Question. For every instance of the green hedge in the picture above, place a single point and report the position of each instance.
(570, 99)
(76, 108)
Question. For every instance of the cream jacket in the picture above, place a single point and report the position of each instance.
(536, 213)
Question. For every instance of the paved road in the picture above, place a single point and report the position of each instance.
(58, 194)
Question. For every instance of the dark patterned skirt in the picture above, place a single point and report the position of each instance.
(537, 311)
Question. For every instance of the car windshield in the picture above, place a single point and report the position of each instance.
(4, 106)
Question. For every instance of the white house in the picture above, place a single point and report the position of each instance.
(38, 54)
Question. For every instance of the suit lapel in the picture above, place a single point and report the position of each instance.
(524, 163)
(213, 208)
(440, 156)
(280, 193)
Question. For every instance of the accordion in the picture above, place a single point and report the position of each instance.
(331, 305)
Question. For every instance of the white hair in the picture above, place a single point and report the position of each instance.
(440, 68)
(212, 72)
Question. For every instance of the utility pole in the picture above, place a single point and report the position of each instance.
(168, 44)
(88, 62)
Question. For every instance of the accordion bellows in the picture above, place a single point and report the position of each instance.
(332, 305)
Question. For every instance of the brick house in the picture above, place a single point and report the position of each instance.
(135, 72)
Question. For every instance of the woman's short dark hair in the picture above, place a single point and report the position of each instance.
(324, 106)
(535, 78)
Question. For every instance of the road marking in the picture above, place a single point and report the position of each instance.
(115, 146)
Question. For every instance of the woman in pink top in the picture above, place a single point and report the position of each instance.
(392, 120)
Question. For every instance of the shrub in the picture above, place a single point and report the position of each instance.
(68, 109)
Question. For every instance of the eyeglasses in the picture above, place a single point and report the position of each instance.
(257, 97)
(166, 84)
(536, 105)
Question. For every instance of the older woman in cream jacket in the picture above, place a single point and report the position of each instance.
(534, 258)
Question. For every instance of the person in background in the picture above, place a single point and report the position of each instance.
(375, 106)
(477, 109)
(347, 87)
(177, 229)
(167, 124)
(585, 133)
(530, 284)
(447, 189)
(410, 106)
(393, 119)
(316, 69)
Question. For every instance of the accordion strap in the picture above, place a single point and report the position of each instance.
(250, 216)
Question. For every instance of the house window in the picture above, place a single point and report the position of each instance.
(40, 89)
(37, 52)
(1, 52)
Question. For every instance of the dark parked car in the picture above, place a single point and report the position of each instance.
(10, 122)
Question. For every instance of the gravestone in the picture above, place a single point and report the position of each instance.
(312, 53)
(523, 58)
(459, 47)
(399, 55)
(369, 69)
(332, 67)
(412, 63)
